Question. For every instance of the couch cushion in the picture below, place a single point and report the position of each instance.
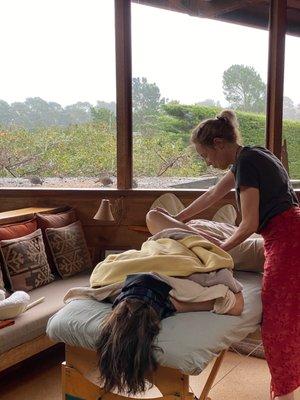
(17, 230)
(69, 249)
(25, 261)
(32, 323)
(57, 220)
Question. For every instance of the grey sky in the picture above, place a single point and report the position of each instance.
(63, 50)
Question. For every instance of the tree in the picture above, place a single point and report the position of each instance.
(109, 106)
(6, 113)
(209, 103)
(244, 89)
(297, 111)
(289, 110)
(78, 113)
(104, 116)
(146, 104)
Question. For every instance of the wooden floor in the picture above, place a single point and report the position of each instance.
(39, 379)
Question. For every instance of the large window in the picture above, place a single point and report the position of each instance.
(186, 69)
(291, 109)
(57, 97)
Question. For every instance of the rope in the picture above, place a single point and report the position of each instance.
(252, 351)
(235, 366)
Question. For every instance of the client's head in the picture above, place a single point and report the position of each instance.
(125, 346)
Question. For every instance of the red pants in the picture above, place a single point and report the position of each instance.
(281, 301)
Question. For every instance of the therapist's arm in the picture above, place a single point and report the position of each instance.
(249, 198)
(209, 198)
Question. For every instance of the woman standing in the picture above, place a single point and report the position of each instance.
(269, 206)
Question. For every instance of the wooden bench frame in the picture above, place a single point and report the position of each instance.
(40, 343)
(172, 383)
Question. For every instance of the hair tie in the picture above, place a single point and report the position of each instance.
(221, 118)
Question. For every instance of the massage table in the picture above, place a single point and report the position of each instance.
(189, 342)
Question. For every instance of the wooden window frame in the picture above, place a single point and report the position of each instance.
(275, 85)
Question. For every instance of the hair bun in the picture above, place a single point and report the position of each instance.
(229, 116)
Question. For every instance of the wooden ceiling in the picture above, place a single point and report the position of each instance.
(254, 13)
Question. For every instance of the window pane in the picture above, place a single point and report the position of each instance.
(291, 108)
(57, 100)
(186, 69)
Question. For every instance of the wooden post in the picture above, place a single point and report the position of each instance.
(277, 30)
(124, 93)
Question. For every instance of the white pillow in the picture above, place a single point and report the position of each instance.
(13, 305)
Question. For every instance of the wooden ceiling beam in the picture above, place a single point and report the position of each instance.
(217, 8)
(201, 8)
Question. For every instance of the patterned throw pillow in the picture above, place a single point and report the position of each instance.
(57, 220)
(69, 249)
(25, 261)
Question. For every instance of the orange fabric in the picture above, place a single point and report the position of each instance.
(13, 231)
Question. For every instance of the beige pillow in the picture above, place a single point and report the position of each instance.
(226, 214)
(249, 255)
(169, 202)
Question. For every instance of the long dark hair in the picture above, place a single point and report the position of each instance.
(125, 347)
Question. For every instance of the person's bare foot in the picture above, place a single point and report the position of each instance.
(238, 308)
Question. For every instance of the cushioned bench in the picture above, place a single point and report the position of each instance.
(27, 336)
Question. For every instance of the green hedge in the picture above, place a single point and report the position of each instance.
(181, 119)
(90, 149)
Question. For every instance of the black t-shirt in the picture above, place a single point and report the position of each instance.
(258, 167)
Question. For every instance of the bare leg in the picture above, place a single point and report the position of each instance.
(237, 309)
(157, 221)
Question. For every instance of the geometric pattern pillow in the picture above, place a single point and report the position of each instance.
(25, 261)
(69, 249)
(57, 220)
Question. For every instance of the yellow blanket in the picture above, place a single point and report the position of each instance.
(165, 256)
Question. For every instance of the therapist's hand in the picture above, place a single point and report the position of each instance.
(163, 211)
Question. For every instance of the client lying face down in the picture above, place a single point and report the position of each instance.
(126, 345)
